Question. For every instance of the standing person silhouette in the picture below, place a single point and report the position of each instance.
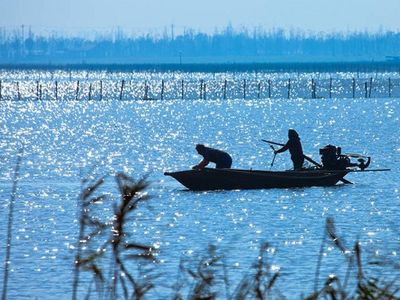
(295, 149)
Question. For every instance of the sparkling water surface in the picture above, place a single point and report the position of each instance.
(65, 139)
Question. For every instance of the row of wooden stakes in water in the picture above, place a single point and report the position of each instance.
(368, 86)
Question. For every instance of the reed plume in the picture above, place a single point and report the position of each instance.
(90, 226)
(99, 240)
(132, 193)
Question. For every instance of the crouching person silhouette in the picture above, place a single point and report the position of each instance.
(219, 157)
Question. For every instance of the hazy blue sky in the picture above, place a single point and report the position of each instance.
(135, 16)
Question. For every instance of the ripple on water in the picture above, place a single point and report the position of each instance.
(64, 139)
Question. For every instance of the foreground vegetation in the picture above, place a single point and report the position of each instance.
(122, 268)
(205, 278)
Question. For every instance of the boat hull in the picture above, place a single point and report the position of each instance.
(232, 179)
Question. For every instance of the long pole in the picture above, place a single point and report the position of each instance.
(201, 89)
(182, 90)
(146, 90)
(162, 89)
(225, 85)
(305, 157)
(269, 88)
(121, 94)
(366, 89)
(312, 89)
(273, 159)
(56, 94)
(77, 90)
(90, 91)
(37, 90)
(370, 88)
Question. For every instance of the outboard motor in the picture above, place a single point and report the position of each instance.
(332, 158)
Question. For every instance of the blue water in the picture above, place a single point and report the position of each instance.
(65, 139)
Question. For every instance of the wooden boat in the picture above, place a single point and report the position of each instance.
(232, 179)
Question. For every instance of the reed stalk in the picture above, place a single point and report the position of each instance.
(132, 194)
(259, 283)
(365, 288)
(87, 222)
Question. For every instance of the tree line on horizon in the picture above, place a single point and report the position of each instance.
(16, 47)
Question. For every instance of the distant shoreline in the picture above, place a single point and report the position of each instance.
(360, 66)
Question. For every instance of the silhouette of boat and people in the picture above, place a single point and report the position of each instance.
(332, 169)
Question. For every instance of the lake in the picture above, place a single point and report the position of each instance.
(65, 139)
